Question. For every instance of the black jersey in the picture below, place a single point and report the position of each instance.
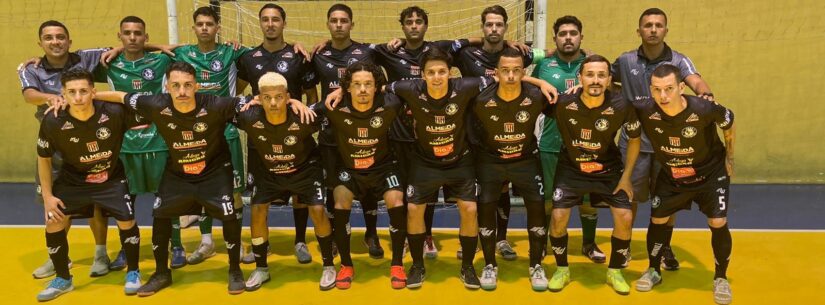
(283, 148)
(687, 144)
(507, 127)
(363, 137)
(589, 135)
(440, 124)
(90, 148)
(474, 61)
(196, 142)
(257, 62)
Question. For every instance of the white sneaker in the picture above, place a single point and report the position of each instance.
(430, 251)
(538, 279)
(302, 253)
(132, 282)
(258, 277)
(204, 251)
(328, 278)
(100, 265)
(46, 270)
(721, 291)
(489, 277)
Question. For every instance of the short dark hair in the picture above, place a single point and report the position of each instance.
(666, 70)
(76, 74)
(132, 19)
(180, 67)
(340, 7)
(51, 23)
(652, 11)
(511, 53)
(275, 6)
(594, 58)
(408, 12)
(566, 20)
(495, 9)
(206, 11)
(434, 54)
(359, 66)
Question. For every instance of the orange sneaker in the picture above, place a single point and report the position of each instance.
(398, 279)
(344, 278)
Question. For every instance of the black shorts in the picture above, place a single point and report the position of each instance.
(403, 152)
(525, 175)
(253, 163)
(571, 186)
(458, 181)
(112, 197)
(373, 182)
(330, 160)
(306, 183)
(212, 193)
(712, 196)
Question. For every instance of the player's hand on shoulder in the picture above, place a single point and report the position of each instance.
(306, 114)
(110, 55)
(55, 104)
(523, 48)
(319, 46)
(550, 92)
(395, 44)
(254, 101)
(333, 98)
(234, 44)
(573, 90)
(31, 61)
(299, 48)
(708, 96)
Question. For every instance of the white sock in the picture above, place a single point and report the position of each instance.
(100, 250)
(206, 238)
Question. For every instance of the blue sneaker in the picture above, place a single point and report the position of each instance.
(132, 282)
(120, 261)
(56, 287)
(178, 257)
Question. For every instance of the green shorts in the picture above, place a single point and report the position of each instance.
(143, 170)
(549, 160)
(238, 173)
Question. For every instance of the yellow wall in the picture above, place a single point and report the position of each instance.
(759, 57)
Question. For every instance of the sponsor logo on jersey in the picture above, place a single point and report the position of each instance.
(633, 126)
(586, 134)
(676, 162)
(655, 116)
(205, 74)
(659, 130)
(103, 133)
(362, 142)
(443, 150)
(201, 113)
(279, 158)
(288, 55)
(379, 109)
(362, 132)
(572, 106)
(569, 83)
(490, 103)
(587, 145)
(137, 84)
(557, 194)
(727, 119)
(194, 168)
(341, 72)
(277, 148)
(451, 109)
(67, 125)
(454, 94)
(522, 116)
(692, 118)
(192, 157)
(362, 163)
(257, 54)
(262, 138)
(442, 140)
(351, 61)
(675, 141)
(415, 70)
(166, 111)
(258, 124)
(591, 167)
(689, 132)
(602, 124)
(509, 127)
(96, 156)
(92, 146)
(293, 127)
(440, 119)
(42, 143)
(282, 66)
(74, 139)
(376, 122)
(290, 140)
(676, 150)
(526, 102)
(510, 137)
(608, 111)
(348, 121)
(199, 127)
(682, 172)
(187, 135)
(494, 118)
(573, 121)
(357, 52)
(189, 145)
(103, 118)
(440, 129)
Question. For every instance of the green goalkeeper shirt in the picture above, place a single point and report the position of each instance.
(561, 75)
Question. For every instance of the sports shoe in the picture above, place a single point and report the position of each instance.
(374, 246)
(649, 279)
(489, 277)
(469, 278)
(505, 250)
(327, 278)
(593, 252)
(100, 265)
(132, 282)
(398, 279)
(560, 278)
(344, 278)
(430, 251)
(302, 253)
(46, 270)
(416, 276)
(56, 287)
(178, 257)
(538, 280)
(258, 277)
(156, 282)
(721, 291)
(204, 251)
(616, 280)
(627, 259)
(236, 281)
(669, 261)
(120, 261)
(247, 257)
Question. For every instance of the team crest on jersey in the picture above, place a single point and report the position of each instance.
(509, 127)
(490, 103)
(282, 66)
(148, 74)
(522, 116)
(526, 102)
(586, 134)
(692, 118)
(187, 135)
(216, 65)
(92, 146)
(201, 113)
(290, 140)
(67, 126)
(343, 176)
(199, 127)
(451, 109)
(277, 148)
(689, 132)
(608, 111)
(494, 118)
(572, 106)
(440, 119)
(103, 133)
(557, 194)
(675, 141)
(655, 116)
(166, 111)
(363, 132)
(258, 124)
(137, 84)
(376, 122)
(293, 127)
(103, 118)
(602, 124)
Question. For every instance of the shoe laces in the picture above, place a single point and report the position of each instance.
(537, 272)
(59, 283)
(132, 276)
(301, 247)
(489, 271)
(721, 286)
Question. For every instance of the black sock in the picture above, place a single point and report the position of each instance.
(342, 235)
(429, 214)
(130, 242)
(370, 208)
(503, 216)
(537, 236)
(656, 238)
(58, 247)
(559, 245)
(722, 246)
(417, 248)
(486, 232)
(398, 232)
(300, 215)
(668, 236)
(232, 238)
(326, 249)
(468, 246)
(161, 233)
(619, 251)
(260, 254)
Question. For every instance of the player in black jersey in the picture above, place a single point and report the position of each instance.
(696, 167)
(275, 55)
(88, 135)
(361, 123)
(590, 163)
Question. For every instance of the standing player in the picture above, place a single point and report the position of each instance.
(42, 88)
(88, 135)
(287, 165)
(361, 124)
(275, 55)
(560, 70)
(696, 168)
(591, 163)
(633, 70)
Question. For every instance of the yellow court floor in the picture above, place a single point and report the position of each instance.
(766, 268)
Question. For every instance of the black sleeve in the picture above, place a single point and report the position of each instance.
(45, 143)
(722, 116)
(392, 102)
(451, 46)
(138, 102)
(631, 123)
(242, 69)
(402, 88)
(308, 76)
